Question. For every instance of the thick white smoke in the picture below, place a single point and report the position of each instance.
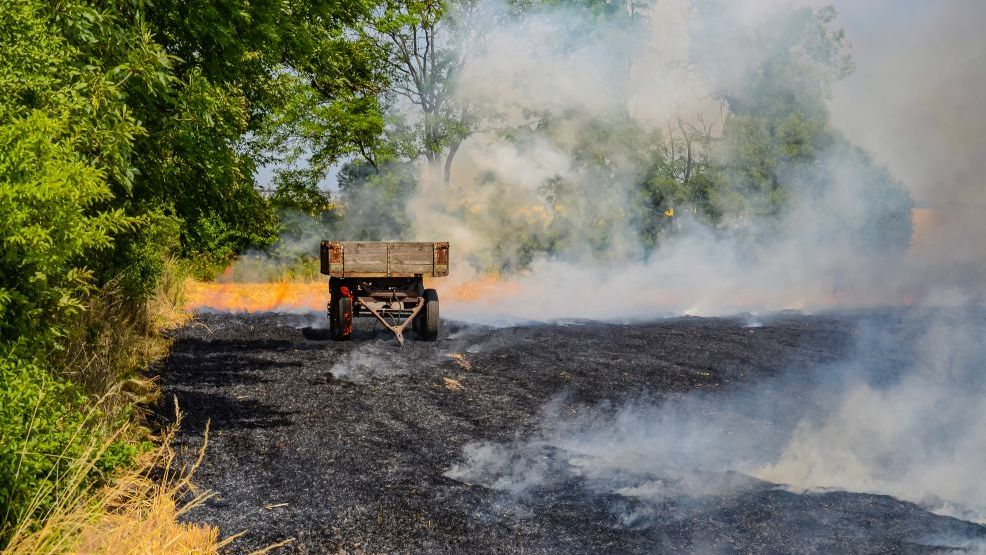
(905, 415)
(914, 102)
(919, 437)
(671, 65)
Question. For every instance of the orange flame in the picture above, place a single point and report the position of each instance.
(227, 296)
(475, 289)
(257, 297)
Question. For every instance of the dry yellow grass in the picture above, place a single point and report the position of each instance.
(453, 384)
(138, 512)
(460, 360)
(167, 306)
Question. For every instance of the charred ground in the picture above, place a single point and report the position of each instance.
(344, 446)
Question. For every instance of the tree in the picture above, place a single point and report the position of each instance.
(425, 42)
(247, 75)
(65, 138)
(778, 123)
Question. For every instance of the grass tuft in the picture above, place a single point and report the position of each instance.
(117, 337)
(138, 511)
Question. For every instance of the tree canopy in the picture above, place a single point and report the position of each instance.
(131, 132)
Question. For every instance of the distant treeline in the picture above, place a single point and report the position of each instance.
(627, 180)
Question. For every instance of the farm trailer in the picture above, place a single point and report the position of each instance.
(383, 279)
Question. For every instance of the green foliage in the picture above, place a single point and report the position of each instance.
(129, 133)
(779, 127)
(45, 428)
(420, 44)
(253, 82)
(141, 253)
(193, 171)
(47, 226)
(65, 141)
(310, 73)
(294, 190)
(375, 200)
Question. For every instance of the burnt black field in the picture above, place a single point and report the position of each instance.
(344, 447)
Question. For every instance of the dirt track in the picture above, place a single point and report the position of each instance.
(344, 446)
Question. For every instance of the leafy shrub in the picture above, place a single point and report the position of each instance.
(47, 193)
(43, 428)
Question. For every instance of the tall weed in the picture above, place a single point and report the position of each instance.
(138, 511)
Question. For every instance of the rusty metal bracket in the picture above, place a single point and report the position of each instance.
(398, 329)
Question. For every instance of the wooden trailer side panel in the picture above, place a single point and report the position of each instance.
(374, 259)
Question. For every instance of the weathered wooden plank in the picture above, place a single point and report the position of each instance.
(415, 245)
(360, 264)
(423, 253)
(398, 258)
(411, 268)
(382, 259)
(364, 248)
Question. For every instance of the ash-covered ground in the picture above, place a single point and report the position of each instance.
(363, 446)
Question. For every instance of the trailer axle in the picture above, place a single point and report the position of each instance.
(380, 313)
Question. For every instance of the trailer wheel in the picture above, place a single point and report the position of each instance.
(429, 324)
(343, 318)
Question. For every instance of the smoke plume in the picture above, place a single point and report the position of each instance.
(903, 416)
(552, 202)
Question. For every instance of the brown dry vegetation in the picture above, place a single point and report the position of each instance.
(139, 509)
(117, 337)
(137, 512)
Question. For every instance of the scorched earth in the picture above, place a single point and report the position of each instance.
(459, 446)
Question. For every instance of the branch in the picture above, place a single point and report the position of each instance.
(369, 157)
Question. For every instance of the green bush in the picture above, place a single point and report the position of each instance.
(47, 225)
(44, 432)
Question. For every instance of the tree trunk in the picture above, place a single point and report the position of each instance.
(447, 171)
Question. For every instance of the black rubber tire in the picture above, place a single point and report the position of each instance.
(418, 323)
(331, 309)
(430, 322)
(344, 318)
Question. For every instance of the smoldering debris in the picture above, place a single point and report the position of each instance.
(369, 360)
(918, 434)
(376, 358)
(903, 416)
